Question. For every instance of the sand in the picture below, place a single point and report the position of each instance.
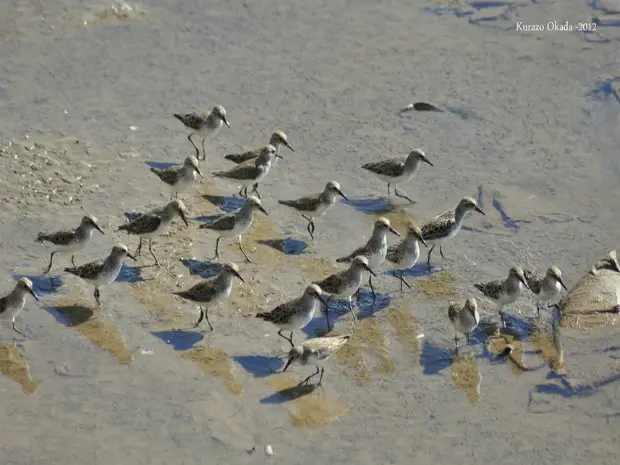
(87, 93)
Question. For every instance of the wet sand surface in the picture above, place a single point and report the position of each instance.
(87, 93)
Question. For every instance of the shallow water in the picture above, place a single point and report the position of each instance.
(529, 129)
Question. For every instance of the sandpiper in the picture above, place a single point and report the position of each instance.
(344, 284)
(70, 241)
(314, 206)
(375, 249)
(547, 287)
(316, 350)
(148, 226)
(102, 273)
(277, 139)
(296, 313)
(203, 124)
(610, 262)
(464, 319)
(12, 304)
(504, 292)
(179, 178)
(212, 290)
(235, 223)
(405, 254)
(446, 225)
(251, 172)
(398, 170)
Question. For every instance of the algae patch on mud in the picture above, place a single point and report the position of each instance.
(400, 319)
(308, 408)
(216, 362)
(466, 377)
(14, 367)
(437, 286)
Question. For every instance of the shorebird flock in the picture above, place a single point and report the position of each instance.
(250, 169)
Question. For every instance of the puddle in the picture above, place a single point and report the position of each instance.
(496, 14)
(308, 408)
(15, 367)
(407, 329)
(131, 274)
(287, 246)
(89, 323)
(436, 286)
(605, 90)
(434, 358)
(215, 362)
(366, 351)
(466, 377)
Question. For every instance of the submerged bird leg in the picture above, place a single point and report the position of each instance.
(49, 267)
(372, 289)
(255, 189)
(329, 328)
(428, 258)
(18, 331)
(97, 295)
(217, 249)
(243, 251)
(139, 249)
(310, 377)
(289, 339)
(402, 196)
(190, 139)
(204, 154)
(151, 250)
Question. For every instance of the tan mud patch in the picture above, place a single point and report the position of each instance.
(466, 377)
(307, 406)
(498, 344)
(216, 362)
(436, 286)
(15, 367)
(366, 348)
(400, 319)
(89, 323)
(545, 346)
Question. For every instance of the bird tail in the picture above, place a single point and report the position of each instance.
(264, 316)
(42, 237)
(73, 271)
(180, 117)
(181, 294)
(288, 203)
(479, 286)
(219, 174)
(235, 157)
(344, 259)
(124, 227)
(156, 170)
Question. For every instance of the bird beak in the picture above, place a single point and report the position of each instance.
(236, 273)
(289, 147)
(279, 156)
(426, 160)
(423, 241)
(225, 121)
(393, 231)
(184, 219)
(342, 195)
(524, 282)
(290, 360)
(33, 295)
(198, 171)
(562, 283)
(479, 210)
(370, 271)
(260, 207)
(132, 257)
(98, 229)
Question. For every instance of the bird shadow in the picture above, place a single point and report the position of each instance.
(371, 206)
(567, 390)
(130, 274)
(287, 246)
(43, 285)
(71, 315)
(434, 358)
(416, 271)
(159, 164)
(289, 394)
(260, 366)
(179, 339)
(204, 269)
(226, 203)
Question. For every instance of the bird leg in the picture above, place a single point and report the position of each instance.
(255, 189)
(351, 310)
(372, 289)
(501, 315)
(357, 296)
(217, 249)
(310, 377)
(402, 196)
(428, 258)
(441, 253)
(204, 154)
(151, 250)
(320, 377)
(402, 280)
(243, 251)
(289, 339)
(310, 226)
(73, 261)
(329, 328)
(18, 331)
(456, 342)
(97, 295)
(203, 315)
(389, 192)
(243, 192)
(49, 267)
(139, 249)
(192, 142)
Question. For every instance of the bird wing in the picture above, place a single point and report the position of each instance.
(87, 271)
(363, 250)
(170, 175)
(324, 347)
(332, 283)
(395, 251)
(223, 223)
(240, 172)
(490, 289)
(532, 281)
(437, 227)
(280, 313)
(143, 224)
(390, 167)
(57, 238)
(308, 204)
(192, 120)
(453, 311)
(243, 157)
(204, 291)
(3, 301)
